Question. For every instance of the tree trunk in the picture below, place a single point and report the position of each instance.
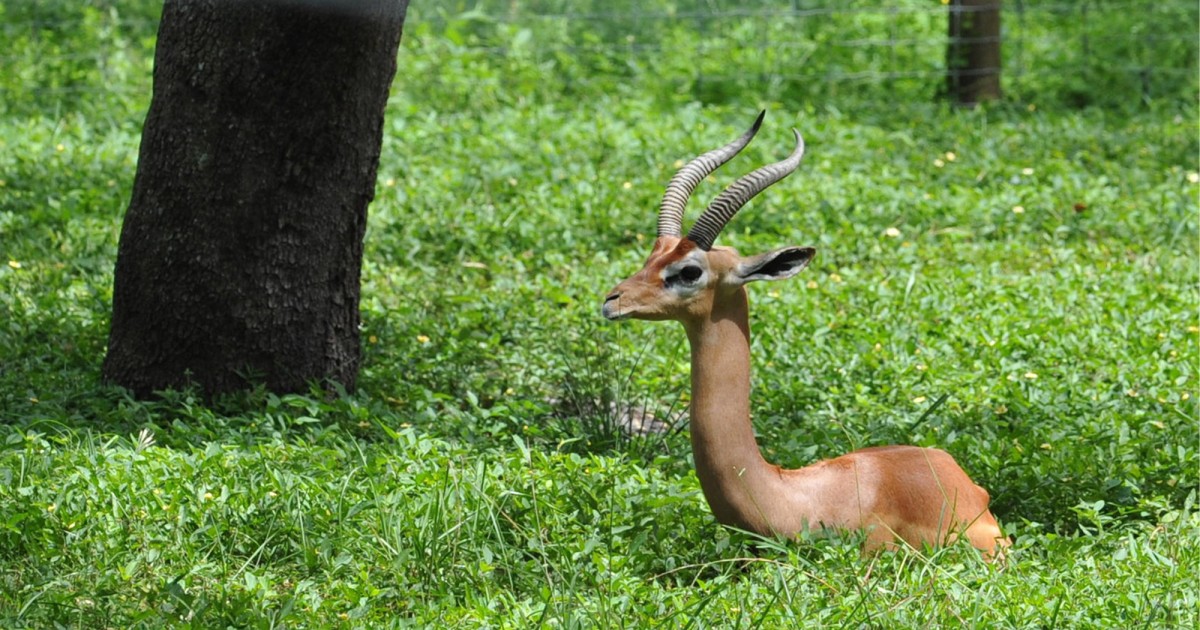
(973, 54)
(240, 254)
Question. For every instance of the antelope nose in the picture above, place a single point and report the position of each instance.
(609, 310)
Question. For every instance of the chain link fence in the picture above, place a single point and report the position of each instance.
(1120, 53)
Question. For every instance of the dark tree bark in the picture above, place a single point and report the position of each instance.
(240, 254)
(973, 55)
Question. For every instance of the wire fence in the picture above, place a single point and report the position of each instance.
(1103, 52)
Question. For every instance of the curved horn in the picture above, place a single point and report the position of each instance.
(679, 189)
(710, 224)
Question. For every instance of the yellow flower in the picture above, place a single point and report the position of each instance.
(918, 400)
(14, 264)
(939, 163)
(50, 508)
(1031, 375)
(812, 284)
(1027, 171)
(1133, 393)
(627, 185)
(59, 147)
(921, 367)
(1001, 410)
(892, 232)
(372, 339)
(835, 277)
(208, 496)
(1018, 209)
(390, 182)
(950, 156)
(422, 339)
(1193, 177)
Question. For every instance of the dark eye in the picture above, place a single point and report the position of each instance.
(686, 275)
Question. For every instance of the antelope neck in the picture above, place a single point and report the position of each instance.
(737, 482)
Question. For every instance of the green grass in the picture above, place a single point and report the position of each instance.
(476, 478)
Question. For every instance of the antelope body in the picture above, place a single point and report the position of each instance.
(896, 494)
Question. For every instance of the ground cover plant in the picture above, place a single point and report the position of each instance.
(1015, 284)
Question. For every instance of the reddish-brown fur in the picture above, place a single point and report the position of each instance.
(896, 494)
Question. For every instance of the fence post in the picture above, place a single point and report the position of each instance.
(973, 52)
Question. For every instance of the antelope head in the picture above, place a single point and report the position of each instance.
(686, 277)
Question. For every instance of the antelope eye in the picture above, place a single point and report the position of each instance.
(686, 275)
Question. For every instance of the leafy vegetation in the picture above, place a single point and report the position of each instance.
(1017, 284)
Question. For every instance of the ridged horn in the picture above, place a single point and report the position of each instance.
(679, 189)
(722, 209)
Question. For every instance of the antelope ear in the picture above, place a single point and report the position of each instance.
(775, 265)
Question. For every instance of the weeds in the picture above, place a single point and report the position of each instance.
(1028, 304)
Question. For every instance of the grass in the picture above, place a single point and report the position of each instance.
(476, 479)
